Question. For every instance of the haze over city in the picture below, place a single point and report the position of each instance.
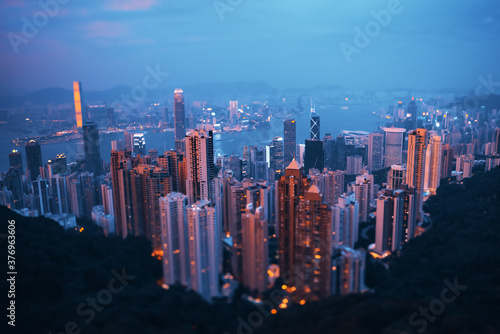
(432, 46)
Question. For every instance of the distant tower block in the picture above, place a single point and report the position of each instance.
(77, 90)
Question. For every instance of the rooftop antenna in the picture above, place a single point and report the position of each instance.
(313, 106)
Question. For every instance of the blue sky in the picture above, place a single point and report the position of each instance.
(427, 45)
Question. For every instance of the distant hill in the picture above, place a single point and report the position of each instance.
(202, 91)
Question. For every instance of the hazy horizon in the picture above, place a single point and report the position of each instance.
(404, 44)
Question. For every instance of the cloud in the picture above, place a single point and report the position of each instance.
(130, 5)
(105, 29)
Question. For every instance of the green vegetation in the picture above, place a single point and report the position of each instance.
(58, 270)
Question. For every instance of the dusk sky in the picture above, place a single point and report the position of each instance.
(428, 45)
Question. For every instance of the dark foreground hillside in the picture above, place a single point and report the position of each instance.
(446, 281)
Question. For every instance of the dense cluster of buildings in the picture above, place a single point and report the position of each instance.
(288, 205)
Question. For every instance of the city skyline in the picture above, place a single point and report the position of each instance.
(250, 167)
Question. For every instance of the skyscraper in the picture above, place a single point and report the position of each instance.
(375, 151)
(139, 144)
(289, 137)
(77, 92)
(179, 118)
(291, 187)
(394, 143)
(33, 159)
(255, 248)
(174, 236)
(313, 156)
(200, 166)
(276, 157)
(92, 148)
(447, 162)
(313, 243)
(204, 242)
(119, 168)
(16, 161)
(396, 177)
(329, 151)
(433, 165)
(413, 112)
(58, 165)
(348, 271)
(334, 186)
(41, 196)
(345, 221)
(60, 194)
(354, 164)
(314, 130)
(396, 219)
(496, 140)
(233, 112)
(417, 147)
(362, 195)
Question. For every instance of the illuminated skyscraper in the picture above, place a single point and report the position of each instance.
(415, 169)
(276, 157)
(255, 245)
(77, 92)
(394, 143)
(200, 166)
(314, 132)
(92, 148)
(204, 242)
(375, 151)
(433, 165)
(314, 129)
(290, 189)
(289, 138)
(174, 236)
(313, 245)
(33, 159)
(57, 165)
(179, 118)
(139, 144)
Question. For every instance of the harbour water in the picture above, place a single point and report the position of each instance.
(333, 120)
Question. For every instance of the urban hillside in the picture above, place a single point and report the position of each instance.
(61, 275)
